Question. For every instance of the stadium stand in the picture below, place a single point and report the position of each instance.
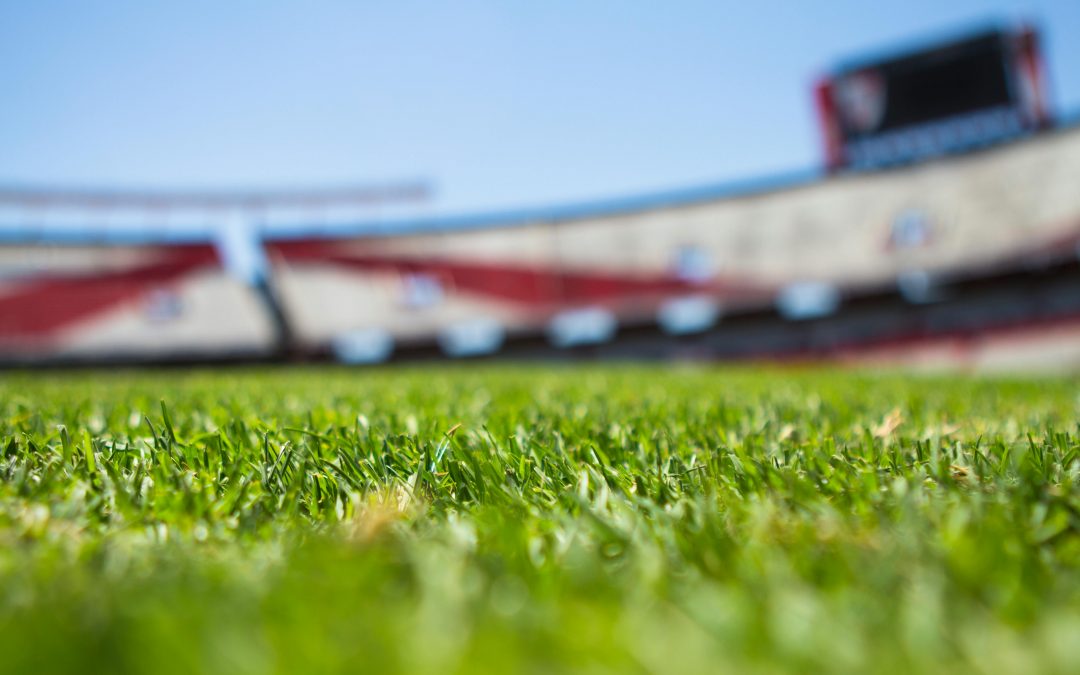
(940, 230)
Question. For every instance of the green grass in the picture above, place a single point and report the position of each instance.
(595, 520)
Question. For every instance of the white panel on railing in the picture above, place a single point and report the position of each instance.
(475, 337)
(688, 314)
(587, 326)
(370, 345)
(808, 300)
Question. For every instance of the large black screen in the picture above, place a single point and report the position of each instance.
(960, 78)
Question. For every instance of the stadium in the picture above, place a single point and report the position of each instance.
(942, 229)
(822, 421)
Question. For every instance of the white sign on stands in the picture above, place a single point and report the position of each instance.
(688, 314)
(577, 327)
(694, 264)
(475, 337)
(808, 300)
(368, 345)
(420, 290)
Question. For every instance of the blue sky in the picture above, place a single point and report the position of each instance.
(499, 104)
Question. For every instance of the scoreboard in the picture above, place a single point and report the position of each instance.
(952, 97)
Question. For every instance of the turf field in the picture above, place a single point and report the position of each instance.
(538, 519)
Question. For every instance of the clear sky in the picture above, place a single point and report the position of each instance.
(499, 104)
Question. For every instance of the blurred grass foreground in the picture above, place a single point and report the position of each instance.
(504, 520)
